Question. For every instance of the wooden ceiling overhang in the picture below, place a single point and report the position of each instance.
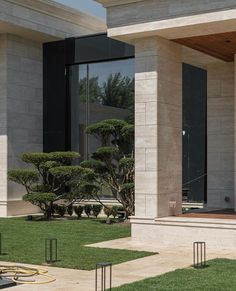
(221, 45)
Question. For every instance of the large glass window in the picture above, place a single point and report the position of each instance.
(99, 91)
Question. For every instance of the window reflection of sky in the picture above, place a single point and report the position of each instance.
(104, 69)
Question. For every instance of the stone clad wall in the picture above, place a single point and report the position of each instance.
(20, 114)
(25, 26)
(3, 127)
(153, 10)
(220, 133)
(158, 127)
(47, 18)
(24, 106)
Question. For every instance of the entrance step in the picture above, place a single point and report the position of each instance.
(198, 222)
(183, 231)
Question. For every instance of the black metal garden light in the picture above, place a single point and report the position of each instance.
(199, 254)
(51, 250)
(103, 268)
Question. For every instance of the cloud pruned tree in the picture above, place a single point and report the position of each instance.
(113, 161)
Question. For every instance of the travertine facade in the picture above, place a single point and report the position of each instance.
(158, 127)
(24, 106)
(143, 11)
(25, 26)
(146, 24)
(3, 126)
(220, 135)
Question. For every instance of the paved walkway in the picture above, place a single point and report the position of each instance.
(167, 260)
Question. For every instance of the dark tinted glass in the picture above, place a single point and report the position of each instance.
(99, 48)
(54, 97)
(194, 133)
(99, 91)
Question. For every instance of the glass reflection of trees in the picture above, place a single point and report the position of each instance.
(117, 91)
(98, 91)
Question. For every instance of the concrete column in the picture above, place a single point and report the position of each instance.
(220, 135)
(158, 127)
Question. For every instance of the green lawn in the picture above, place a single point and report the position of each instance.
(23, 241)
(220, 275)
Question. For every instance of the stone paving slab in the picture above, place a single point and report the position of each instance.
(167, 260)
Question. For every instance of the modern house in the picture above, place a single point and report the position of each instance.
(56, 64)
(25, 25)
(167, 34)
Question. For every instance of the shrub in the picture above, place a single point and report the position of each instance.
(114, 211)
(64, 158)
(113, 161)
(52, 175)
(108, 211)
(24, 177)
(70, 209)
(97, 208)
(61, 210)
(79, 210)
(42, 200)
(88, 209)
(54, 209)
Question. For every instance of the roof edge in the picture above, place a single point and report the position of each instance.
(110, 3)
(63, 12)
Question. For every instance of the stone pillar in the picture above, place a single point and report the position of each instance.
(3, 126)
(220, 135)
(158, 127)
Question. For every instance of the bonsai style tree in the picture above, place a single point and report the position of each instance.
(50, 179)
(113, 161)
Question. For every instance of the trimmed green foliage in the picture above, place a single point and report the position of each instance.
(96, 209)
(108, 211)
(126, 163)
(61, 210)
(24, 177)
(36, 198)
(79, 210)
(114, 211)
(117, 124)
(53, 174)
(43, 200)
(101, 130)
(67, 173)
(106, 130)
(35, 158)
(70, 209)
(96, 165)
(128, 130)
(88, 209)
(106, 153)
(64, 158)
(113, 162)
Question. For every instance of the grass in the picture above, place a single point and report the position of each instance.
(23, 241)
(220, 275)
